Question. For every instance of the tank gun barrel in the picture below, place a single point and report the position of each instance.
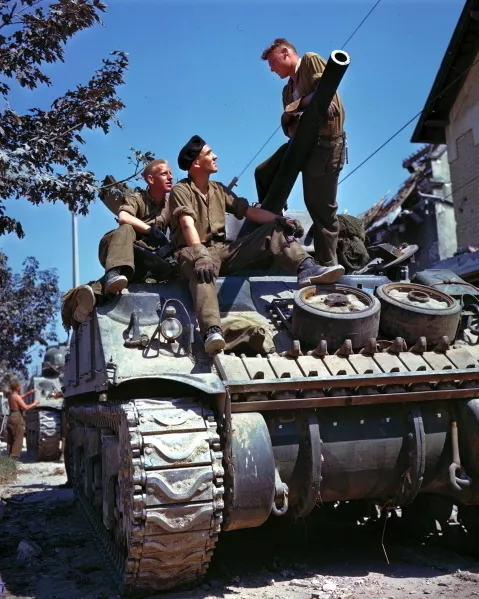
(306, 134)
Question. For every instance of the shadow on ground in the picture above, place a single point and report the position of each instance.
(70, 564)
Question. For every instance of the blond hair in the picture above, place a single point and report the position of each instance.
(279, 42)
(15, 386)
(152, 166)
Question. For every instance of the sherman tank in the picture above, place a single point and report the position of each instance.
(43, 425)
(366, 392)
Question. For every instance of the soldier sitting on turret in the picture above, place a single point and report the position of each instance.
(143, 217)
(198, 208)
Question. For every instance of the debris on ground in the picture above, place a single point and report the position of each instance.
(59, 556)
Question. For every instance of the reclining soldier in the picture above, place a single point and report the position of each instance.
(143, 217)
(198, 207)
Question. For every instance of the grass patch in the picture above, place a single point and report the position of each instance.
(8, 470)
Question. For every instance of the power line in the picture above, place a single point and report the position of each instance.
(409, 121)
(360, 24)
(279, 126)
(260, 150)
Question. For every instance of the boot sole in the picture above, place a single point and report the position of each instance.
(85, 304)
(215, 346)
(117, 285)
(327, 277)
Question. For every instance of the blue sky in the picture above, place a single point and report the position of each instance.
(195, 68)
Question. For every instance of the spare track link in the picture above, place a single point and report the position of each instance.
(44, 434)
(168, 498)
(351, 379)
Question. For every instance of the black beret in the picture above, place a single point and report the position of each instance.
(190, 152)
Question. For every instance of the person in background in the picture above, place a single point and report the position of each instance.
(16, 422)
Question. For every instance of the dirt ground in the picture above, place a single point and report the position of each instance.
(48, 552)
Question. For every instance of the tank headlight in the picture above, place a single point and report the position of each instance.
(171, 327)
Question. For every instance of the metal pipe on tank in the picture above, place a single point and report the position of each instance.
(305, 137)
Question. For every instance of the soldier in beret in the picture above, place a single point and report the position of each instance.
(321, 171)
(198, 209)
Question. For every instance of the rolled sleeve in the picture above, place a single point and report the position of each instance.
(234, 204)
(129, 205)
(164, 219)
(184, 211)
(181, 204)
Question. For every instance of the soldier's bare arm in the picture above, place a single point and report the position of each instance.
(259, 215)
(124, 218)
(188, 228)
(17, 403)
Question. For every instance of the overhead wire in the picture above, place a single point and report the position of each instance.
(259, 151)
(360, 25)
(409, 122)
(279, 126)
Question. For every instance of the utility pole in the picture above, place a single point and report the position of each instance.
(76, 278)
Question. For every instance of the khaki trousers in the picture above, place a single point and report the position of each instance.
(116, 248)
(268, 240)
(15, 434)
(320, 184)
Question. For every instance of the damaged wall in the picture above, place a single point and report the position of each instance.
(462, 135)
(421, 213)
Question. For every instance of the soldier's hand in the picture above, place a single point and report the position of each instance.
(333, 111)
(205, 270)
(156, 237)
(291, 226)
(293, 106)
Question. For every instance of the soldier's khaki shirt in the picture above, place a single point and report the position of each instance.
(208, 212)
(143, 206)
(308, 74)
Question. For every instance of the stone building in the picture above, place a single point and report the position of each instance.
(451, 116)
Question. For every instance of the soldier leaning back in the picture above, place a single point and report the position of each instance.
(142, 215)
(321, 171)
(198, 207)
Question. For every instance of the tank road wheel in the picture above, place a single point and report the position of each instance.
(43, 433)
(335, 313)
(408, 310)
(149, 475)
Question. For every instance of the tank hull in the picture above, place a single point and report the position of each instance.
(170, 446)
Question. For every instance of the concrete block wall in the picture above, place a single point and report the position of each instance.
(462, 136)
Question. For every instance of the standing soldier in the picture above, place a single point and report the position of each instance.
(16, 422)
(321, 171)
(142, 215)
(198, 214)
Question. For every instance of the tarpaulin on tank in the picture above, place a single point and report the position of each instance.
(243, 331)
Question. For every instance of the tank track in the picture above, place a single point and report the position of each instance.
(159, 514)
(44, 434)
